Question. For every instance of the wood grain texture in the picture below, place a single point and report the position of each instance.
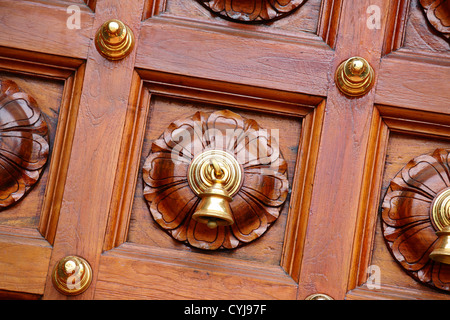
(42, 27)
(326, 266)
(139, 272)
(85, 206)
(24, 258)
(409, 81)
(369, 200)
(262, 62)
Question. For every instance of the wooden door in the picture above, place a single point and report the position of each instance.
(341, 152)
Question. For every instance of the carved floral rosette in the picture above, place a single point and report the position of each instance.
(252, 10)
(24, 144)
(408, 228)
(438, 14)
(255, 206)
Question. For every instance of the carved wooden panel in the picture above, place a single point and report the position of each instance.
(421, 26)
(252, 10)
(408, 228)
(305, 20)
(24, 144)
(438, 14)
(254, 207)
(163, 111)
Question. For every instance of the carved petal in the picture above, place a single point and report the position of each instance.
(186, 137)
(269, 187)
(414, 245)
(224, 128)
(401, 208)
(441, 276)
(250, 221)
(24, 144)
(171, 206)
(407, 226)
(426, 173)
(200, 236)
(161, 169)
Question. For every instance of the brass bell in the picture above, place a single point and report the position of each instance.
(440, 215)
(214, 208)
(441, 252)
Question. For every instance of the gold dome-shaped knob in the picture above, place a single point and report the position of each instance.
(354, 77)
(319, 296)
(72, 275)
(114, 40)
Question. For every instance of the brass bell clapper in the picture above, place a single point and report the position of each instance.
(215, 176)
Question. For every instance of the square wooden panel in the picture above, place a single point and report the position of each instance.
(163, 111)
(415, 35)
(303, 19)
(132, 230)
(401, 149)
(27, 229)
(398, 135)
(48, 95)
(313, 20)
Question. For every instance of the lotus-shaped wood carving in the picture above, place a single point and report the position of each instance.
(251, 10)
(24, 144)
(408, 226)
(255, 206)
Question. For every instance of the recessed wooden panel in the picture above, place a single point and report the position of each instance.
(421, 35)
(48, 94)
(401, 149)
(303, 19)
(163, 111)
(409, 29)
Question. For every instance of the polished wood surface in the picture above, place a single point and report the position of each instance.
(341, 153)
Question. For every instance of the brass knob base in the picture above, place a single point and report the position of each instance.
(200, 173)
(354, 77)
(114, 40)
(72, 276)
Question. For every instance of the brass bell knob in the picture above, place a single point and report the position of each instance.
(440, 217)
(215, 176)
(214, 208)
(354, 77)
(114, 40)
(72, 275)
